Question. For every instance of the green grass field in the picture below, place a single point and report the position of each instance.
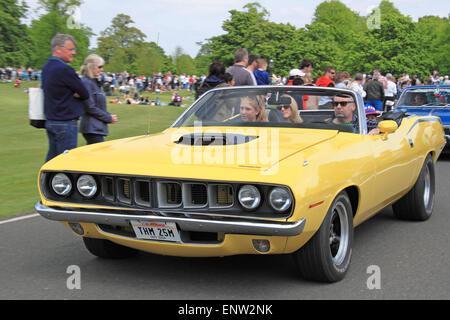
(24, 148)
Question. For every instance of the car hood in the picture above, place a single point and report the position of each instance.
(168, 155)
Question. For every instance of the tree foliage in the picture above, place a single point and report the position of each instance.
(56, 20)
(123, 47)
(336, 36)
(14, 38)
(339, 37)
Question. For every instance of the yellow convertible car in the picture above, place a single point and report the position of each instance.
(249, 170)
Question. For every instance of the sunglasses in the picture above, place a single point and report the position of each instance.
(100, 67)
(283, 107)
(342, 103)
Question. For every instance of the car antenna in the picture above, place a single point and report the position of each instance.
(148, 125)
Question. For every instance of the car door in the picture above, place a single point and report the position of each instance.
(396, 162)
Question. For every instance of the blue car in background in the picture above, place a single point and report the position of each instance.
(428, 100)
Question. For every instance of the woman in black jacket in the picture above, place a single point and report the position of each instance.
(95, 118)
(216, 77)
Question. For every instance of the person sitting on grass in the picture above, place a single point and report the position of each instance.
(176, 100)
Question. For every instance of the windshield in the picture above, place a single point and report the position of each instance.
(425, 97)
(275, 106)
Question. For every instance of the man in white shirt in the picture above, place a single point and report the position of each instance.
(357, 85)
(390, 93)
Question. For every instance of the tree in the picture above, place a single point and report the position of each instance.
(242, 30)
(434, 33)
(14, 38)
(120, 36)
(395, 46)
(56, 20)
(252, 30)
(344, 23)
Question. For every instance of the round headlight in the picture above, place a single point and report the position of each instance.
(249, 197)
(87, 186)
(61, 184)
(280, 199)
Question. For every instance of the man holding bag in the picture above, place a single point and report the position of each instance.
(63, 96)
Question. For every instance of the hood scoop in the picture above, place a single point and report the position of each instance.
(214, 139)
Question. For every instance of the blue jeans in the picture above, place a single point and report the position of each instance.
(62, 136)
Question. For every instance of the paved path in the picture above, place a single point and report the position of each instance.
(413, 260)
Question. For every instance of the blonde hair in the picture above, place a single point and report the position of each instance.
(295, 118)
(91, 61)
(259, 104)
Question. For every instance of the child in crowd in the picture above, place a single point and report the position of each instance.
(261, 75)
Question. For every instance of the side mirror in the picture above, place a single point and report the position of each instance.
(386, 127)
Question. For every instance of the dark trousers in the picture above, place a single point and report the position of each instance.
(93, 138)
(62, 136)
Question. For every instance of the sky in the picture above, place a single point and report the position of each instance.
(172, 23)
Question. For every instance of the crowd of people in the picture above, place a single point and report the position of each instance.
(85, 93)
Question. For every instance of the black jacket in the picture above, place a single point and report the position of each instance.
(374, 90)
(209, 83)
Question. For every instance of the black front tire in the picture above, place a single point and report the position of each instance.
(326, 257)
(418, 203)
(107, 249)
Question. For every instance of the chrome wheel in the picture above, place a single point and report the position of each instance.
(339, 233)
(326, 256)
(427, 187)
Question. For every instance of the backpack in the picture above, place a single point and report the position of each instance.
(204, 87)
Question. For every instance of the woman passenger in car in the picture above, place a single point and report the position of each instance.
(252, 109)
(290, 111)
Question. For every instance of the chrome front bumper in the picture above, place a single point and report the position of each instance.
(228, 226)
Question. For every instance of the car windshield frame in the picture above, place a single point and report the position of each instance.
(210, 96)
(436, 96)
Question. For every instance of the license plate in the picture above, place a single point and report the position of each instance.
(161, 231)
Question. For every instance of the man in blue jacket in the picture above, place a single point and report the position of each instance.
(63, 96)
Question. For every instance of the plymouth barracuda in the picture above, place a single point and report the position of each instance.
(248, 170)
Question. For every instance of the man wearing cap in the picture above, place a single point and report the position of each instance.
(295, 77)
(372, 122)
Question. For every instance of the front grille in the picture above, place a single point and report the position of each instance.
(124, 190)
(164, 196)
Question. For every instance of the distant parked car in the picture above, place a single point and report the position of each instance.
(428, 100)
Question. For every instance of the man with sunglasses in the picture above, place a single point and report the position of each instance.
(344, 107)
(64, 93)
(344, 114)
(327, 80)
